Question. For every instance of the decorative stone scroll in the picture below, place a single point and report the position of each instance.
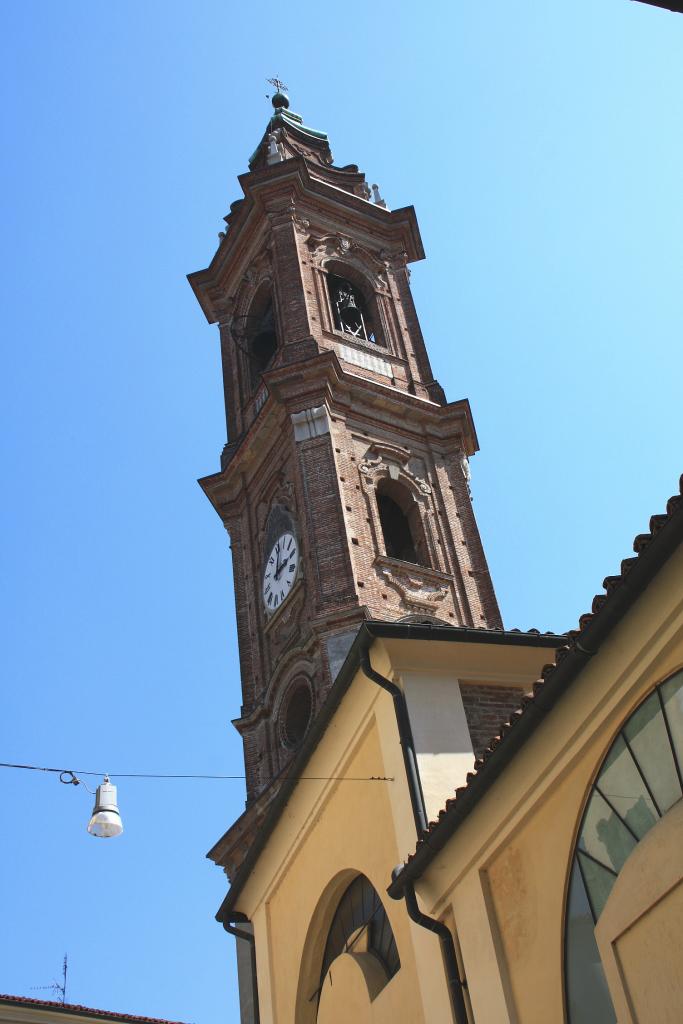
(395, 462)
(325, 247)
(415, 588)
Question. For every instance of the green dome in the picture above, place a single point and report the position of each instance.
(279, 100)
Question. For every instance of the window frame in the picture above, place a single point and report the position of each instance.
(360, 281)
(636, 828)
(394, 490)
(352, 928)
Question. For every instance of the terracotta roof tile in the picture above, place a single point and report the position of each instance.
(81, 1010)
(611, 584)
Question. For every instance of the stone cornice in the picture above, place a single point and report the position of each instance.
(285, 190)
(322, 380)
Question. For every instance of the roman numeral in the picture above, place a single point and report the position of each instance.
(292, 567)
(270, 599)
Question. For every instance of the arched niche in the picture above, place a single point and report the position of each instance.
(401, 522)
(637, 786)
(259, 333)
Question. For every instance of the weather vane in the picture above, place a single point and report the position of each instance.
(278, 84)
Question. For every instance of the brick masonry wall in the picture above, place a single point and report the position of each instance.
(294, 236)
(319, 480)
(325, 546)
(486, 709)
(447, 513)
(388, 291)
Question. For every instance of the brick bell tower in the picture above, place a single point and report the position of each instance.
(344, 482)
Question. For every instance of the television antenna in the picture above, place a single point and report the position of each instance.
(57, 988)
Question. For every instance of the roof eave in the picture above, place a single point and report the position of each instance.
(368, 632)
(581, 649)
(76, 1010)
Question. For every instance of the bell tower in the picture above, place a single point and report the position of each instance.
(344, 481)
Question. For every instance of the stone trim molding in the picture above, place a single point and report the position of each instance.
(310, 423)
(365, 360)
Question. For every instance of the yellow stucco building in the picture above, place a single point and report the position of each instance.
(573, 815)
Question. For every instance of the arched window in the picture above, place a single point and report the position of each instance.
(261, 335)
(351, 312)
(639, 781)
(399, 516)
(360, 922)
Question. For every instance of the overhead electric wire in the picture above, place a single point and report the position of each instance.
(150, 775)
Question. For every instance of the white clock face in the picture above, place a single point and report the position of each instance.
(280, 571)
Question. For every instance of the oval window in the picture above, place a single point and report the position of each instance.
(297, 716)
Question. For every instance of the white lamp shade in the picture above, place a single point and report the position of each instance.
(106, 820)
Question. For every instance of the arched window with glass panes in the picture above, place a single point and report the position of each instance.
(360, 923)
(640, 779)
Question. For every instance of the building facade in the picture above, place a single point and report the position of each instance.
(559, 865)
(344, 482)
(403, 857)
(548, 885)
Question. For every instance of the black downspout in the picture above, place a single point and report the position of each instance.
(455, 985)
(405, 734)
(236, 917)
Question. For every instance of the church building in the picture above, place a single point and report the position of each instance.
(404, 854)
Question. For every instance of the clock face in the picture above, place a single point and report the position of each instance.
(280, 571)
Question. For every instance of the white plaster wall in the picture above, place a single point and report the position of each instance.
(442, 739)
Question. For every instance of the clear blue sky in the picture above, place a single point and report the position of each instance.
(540, 142)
